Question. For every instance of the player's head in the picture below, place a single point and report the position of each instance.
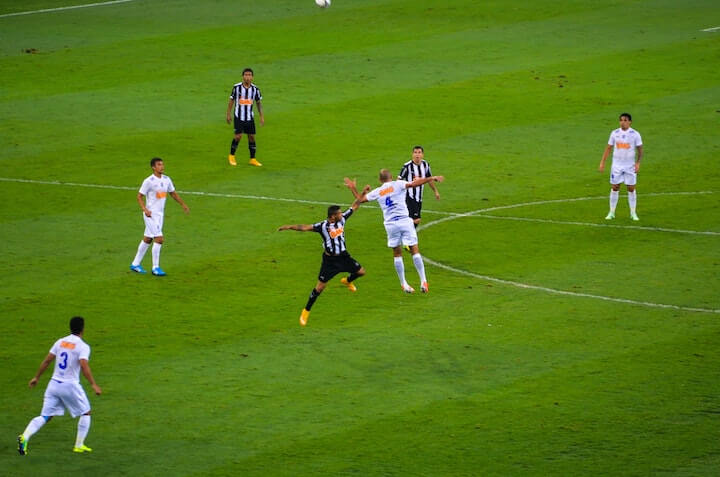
(625, 120)
(385, 175)
(157, 165)
(248, 74)
(418, 153)
(77, 325)
(333, 212)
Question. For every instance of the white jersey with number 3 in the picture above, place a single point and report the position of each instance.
(68, 352)
(391, 197)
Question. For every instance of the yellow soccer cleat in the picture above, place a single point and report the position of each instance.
(81, 449)
(231, 159)
(350, 285)
(304, 317)
(254, 162)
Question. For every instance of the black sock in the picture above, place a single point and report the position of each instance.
(233, 146)
(313, 296)
(352, 277)
(252, 147)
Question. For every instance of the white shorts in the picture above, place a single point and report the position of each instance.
(623, 175)
(153, 225)
(60, 396)
(401, 232)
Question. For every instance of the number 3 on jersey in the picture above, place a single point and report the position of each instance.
(64, 356)
(389, 203)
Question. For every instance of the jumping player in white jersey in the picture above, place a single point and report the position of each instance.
(627, 152)
(155, 190)
(398, 224)
(71, 355)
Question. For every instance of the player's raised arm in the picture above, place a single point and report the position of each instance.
(424, 180)
(352, 185)
(298, 227)
(360, 198)
(43, 366)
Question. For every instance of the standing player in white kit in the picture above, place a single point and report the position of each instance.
(398, 224)
(71, 355)
(155, 190)
(625, 164)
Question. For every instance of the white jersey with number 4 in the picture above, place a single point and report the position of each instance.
(625, 143)
(391, 197)
(68, 352)
(155, 189)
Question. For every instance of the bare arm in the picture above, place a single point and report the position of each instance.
(258, 103)
(352, 185)
(43, 366)
(361, 198)
(608, 148)
(298, 227)
(177, 198)
(639, 156)
(140, 200)
(85, 367)
(228, 115)
(435, 190)
(424, 180)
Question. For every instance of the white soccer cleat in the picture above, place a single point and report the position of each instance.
(634, 216)
(407, 288)
(610, 216)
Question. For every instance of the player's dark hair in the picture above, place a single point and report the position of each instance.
(418, 147)
(154, 161)
(248, 70)
(626, 115)
(77, 325)
(332, 210)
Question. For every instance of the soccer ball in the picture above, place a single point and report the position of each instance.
(322, 3)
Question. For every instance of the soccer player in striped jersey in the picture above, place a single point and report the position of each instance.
(411, 170)
(398, 225)
(335, 258)
(627, 147)
(241, 101)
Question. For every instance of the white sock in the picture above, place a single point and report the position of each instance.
(400, 269)
(614, 196)
(156, 254)
(632, 201)
(83, 428)
(142, 248)
(420, 267)
(34, 426)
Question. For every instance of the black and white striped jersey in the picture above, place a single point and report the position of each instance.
(411, 171)
(244, 98)
(333, 234)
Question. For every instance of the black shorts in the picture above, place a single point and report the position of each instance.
(247, 127)
(334, 264)
(414, 207)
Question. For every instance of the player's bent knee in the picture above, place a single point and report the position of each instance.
(361, 272)
(47, 418)
(87, 413)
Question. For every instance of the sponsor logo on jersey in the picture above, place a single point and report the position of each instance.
(386, 191)
(336, 232)
(67, 345)
(160, 195)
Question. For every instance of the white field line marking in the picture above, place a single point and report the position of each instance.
(71, 7)
(428, 260)
(590, 224)
(712, 29)
(563, 292)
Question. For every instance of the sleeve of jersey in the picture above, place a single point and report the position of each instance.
(611, 140)
(403, 173)
(233, 94)
(84, 353)
(144, 187)
(171, 186)
(638, 142)
(317, 227)
(348, 213)
(258, 94)
(372, 195)
(53, 349)
(429, 171)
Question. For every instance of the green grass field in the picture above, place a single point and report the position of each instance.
(207, 371)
